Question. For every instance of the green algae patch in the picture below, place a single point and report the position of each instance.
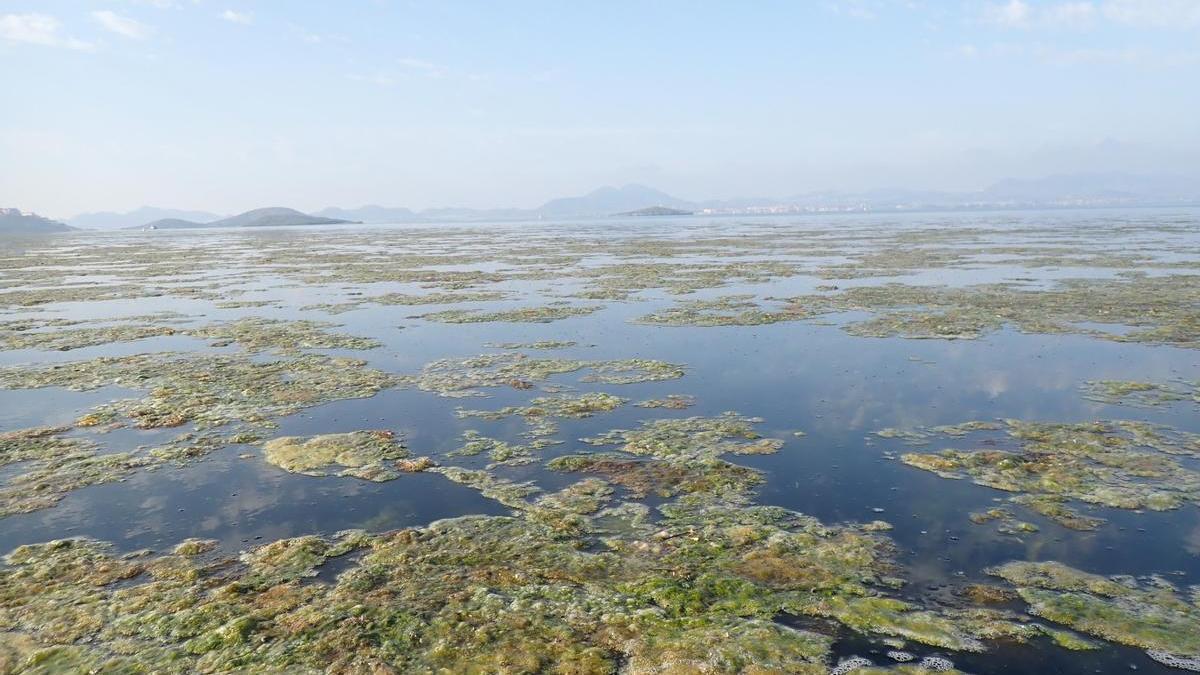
(56, 465)
(466, 377)
(669, 402)
(544, 314)
(1153, 615)
(229, 399)
(192, 547)
(282, 337)
(66, 339)
(541, 411)
(362, 454)
(1123, 465)
(1006, 521)
(665, 478)
(729, 310)
(540, 344)
(698, 589)
(1158, 309)
(503, 452)
(1140, 394)
(406, 299)
(207, 390)
(691, 438)
(509, 493)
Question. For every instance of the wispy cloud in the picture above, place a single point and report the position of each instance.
(1058, 55)
(37, 29)
(421, 67)
(378, 79)
(122, 25)
(232, 16)
(1083, 14)
(1154, 13)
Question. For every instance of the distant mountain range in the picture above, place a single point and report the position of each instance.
(1062, 190)
(107, 220)
(275, 216)
(15, 221)
(1065, 190)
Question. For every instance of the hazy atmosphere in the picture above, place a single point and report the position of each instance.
(600, 338)
(227, 106)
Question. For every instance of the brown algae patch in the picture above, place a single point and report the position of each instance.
(362, 454)
(1152, 615)
(1124, 465)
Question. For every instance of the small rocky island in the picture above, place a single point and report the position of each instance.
(656, 211)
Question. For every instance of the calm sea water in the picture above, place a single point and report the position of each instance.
(808, 376)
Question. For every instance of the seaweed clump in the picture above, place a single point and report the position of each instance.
(1150, 615)
(53, 464)
(1140, 394)
(465, 377)
(543, 314)
(698, 590)
(541, 411)
(691, 438)
(1159, 309)
(206, 390)
(362, 454)
(255, 334)
(728, 310)
(1124, 465)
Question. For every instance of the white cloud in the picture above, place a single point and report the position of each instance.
(37, 29)
(378, 79)
(422, 67)
(1154, 13)
(122, 25)
(1014, 14)
(244, 18)
(1082, 14)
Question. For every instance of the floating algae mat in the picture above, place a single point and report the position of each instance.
(853, 444)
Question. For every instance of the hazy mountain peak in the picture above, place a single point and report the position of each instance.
(16, 221)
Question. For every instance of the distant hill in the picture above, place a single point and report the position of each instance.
(14, 221)
(371, 213)
(608, 200)
(105, 220)
(656, 211)
(275, 216)
(1096, 186)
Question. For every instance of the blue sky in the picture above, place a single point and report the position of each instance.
(232, 104)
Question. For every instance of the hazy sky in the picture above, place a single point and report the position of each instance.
(232, 104)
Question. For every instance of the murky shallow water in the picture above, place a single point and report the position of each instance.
(806, 375)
